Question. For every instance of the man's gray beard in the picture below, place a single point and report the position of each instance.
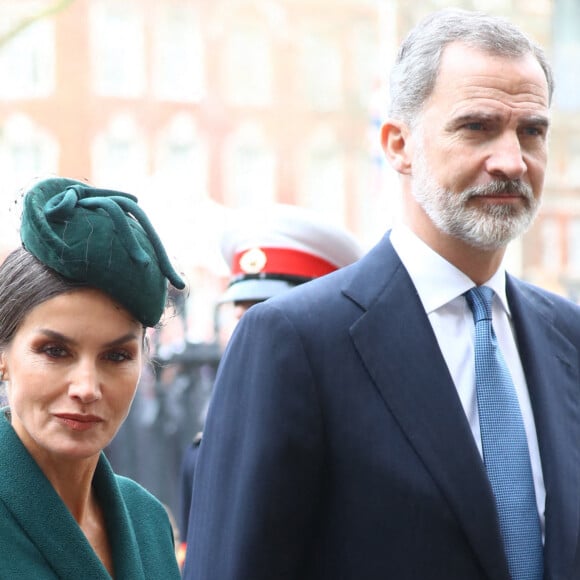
(488, 226)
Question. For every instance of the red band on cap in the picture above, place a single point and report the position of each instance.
(280, 261)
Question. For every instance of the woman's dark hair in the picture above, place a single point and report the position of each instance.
(25, 282)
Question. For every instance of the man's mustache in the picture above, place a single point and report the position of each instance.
(501, 187)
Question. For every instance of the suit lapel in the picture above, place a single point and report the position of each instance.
(550, 362)
(395, 339)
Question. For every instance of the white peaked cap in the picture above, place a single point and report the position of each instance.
(275, 249)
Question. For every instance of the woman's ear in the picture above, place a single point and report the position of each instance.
(396, 145)
(3, 371)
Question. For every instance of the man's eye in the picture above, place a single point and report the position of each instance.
(533, 131)
(474, 126)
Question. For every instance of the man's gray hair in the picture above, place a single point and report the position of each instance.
(416, 67)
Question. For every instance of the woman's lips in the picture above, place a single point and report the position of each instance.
(78, 422)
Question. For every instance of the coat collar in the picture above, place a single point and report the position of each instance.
(46, 521)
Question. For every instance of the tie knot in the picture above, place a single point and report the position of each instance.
(479, 300)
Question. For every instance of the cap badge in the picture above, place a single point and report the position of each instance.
(253, 261)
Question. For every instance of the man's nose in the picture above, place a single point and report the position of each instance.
(506, 159)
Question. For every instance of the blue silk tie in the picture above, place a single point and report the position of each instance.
(505, 446)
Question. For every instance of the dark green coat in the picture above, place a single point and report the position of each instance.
(40, 540)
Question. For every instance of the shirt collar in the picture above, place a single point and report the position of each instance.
(437, 281)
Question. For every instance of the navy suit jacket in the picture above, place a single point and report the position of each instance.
(336, 446)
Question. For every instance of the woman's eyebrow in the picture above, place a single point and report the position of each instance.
(54, 335)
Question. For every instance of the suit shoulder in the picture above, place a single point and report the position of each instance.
(539, 294)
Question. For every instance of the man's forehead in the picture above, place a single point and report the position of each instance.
(468, 65)
(478, 79)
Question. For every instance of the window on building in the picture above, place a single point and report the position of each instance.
(501, 6)
(566, 53)
(178, 54)
(322, 176)
(570, 176)
(27, 153)
(118, 48)
(366, 191)
(27, 60)
(321, 71)
(119, 155)
(551, 251)
(247, 73)
(364, 56)
(377, 198)
(176, 194)
(574, 246)
(182, 159)
(250, 167)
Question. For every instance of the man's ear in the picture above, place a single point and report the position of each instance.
(395, 140)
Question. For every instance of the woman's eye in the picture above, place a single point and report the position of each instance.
(54, 351)
(119, 356)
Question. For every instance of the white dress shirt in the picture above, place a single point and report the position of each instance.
(441, 286)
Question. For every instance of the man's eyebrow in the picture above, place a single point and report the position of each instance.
(536, 120)
(467, 118)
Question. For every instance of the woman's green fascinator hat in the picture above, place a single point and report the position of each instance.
(100, 238)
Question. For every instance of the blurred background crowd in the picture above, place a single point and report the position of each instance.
(203, 107)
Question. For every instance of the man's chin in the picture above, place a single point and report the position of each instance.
(487, 245)
(492, 237)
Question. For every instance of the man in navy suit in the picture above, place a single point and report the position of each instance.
(343, 438)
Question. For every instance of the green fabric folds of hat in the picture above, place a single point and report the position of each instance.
(101, 238)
